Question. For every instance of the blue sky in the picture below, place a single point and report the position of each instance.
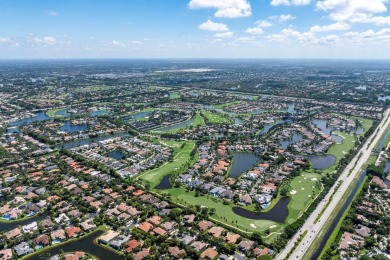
(195, 29)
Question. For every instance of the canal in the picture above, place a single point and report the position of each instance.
(85, 244)
(277, 214)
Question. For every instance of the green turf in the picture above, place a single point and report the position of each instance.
(53, 112)
(215, 118)
(181, 162)
(227, 104)
(198, 121)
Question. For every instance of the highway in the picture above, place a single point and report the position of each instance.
(346, 177)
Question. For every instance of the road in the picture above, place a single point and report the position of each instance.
(347, 176)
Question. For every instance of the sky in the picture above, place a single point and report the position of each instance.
(336, 29)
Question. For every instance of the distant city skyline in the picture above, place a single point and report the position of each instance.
(341, 29)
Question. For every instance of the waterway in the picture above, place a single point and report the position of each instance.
(296, 138)
(72, 144)
(39, 116)
(328, 233)
(383, 98)
(277, 214)
(176, 126)
(321, 162)
(85, 244)
(137, 115)
(68, 127)
(165, 183)
(7, 226)
(382, 143)
(242, 162)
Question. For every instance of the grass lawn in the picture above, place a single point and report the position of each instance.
(175, 95)
(305, 190)
(198, 121)
(223, 212)
(227, 104)
(181, 162)
(215, 118)
(53, 112)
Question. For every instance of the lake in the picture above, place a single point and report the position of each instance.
(242, 162)
(117, 154)
(338, 139)
(165, 183)
(383, 98)
(277, 214)
(68, 127)
(296, 138)
(39, 116)
(237, 121)
(137, 115)
(176, 126)
(63, 112)
(321, 162)
(85, 244)
(98, 113)
(323, 125)
(80, 142)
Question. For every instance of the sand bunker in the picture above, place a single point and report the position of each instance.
(293, 192)
(313, 179)
(273, 226)
(253, 225)
(302, 188)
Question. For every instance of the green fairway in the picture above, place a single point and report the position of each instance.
(223, 212)
(198, 121)
(227, 104)
(53, 112)
(174, 95)
(181, 162)
(302, 191)
(215, 118)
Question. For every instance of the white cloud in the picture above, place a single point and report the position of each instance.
(282, 18)
(52, 13)
(224, 35)
(118, 43)
(49, 40)
(339, 26)
(329, 39)
(245, 39)
(254, 30)
(356, 11)
(225, 8)
(290, 2)
(213, 27)
(263, 24)
(136, 42)
(8, 42)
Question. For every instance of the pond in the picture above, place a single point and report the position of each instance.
(98, 113)
(291, 108)
(242, 162)
(7, 226)
(277, 214)
(137, 115)
(80, 142)
(383, 98)
(13, 130)
(63, 112)
(117, 154)
(359, 131)
(323, 125)
(267, 127)
(296, 138)
(165, 183)
(321, 162)
(85, 244)
(39, 116)
(237, 121)
(176, 126)
(338, 139)
(68, 127)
